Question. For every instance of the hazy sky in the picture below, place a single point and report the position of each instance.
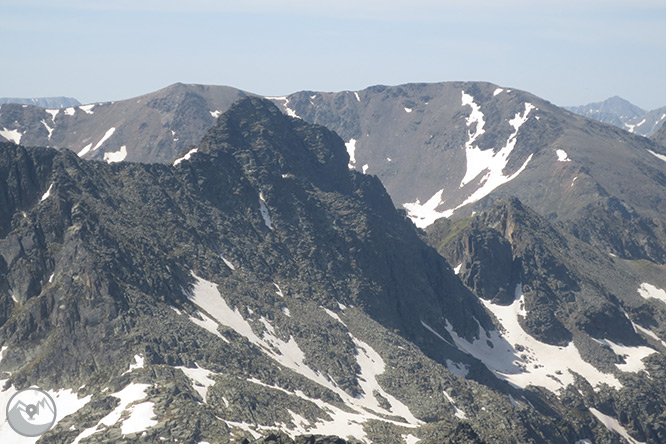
(568, 52)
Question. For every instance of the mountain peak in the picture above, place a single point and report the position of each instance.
(263, 139)
(615, 106)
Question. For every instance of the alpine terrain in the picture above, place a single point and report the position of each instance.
(151, 128)
(621, 113)
(261, 285)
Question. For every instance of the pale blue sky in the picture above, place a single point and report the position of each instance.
(568, 52)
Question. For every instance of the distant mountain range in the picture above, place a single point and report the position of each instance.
(43, 102)
(426, 263)
(621, 113)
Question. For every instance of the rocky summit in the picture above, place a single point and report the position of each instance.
(256, 289)
(621, 113)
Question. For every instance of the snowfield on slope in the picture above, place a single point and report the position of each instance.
(520, 359)
(288, 353)
(477, 161)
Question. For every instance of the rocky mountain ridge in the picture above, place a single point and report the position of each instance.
(261, 285)
(150, 128)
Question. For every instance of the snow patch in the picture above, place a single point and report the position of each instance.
(537, 363)
(208, 324)
(11, 135)
(53, 112)
(116, 156)
(47, 194)
(334, 316)
(480, 160)
(286, 312)
(138, 363)
(457, 268)
(279, 291)
(497, 91)
(633, 356)
(425, 214)
(562, 156)
(228, 263)
(457, 368)
(48, 128)
(613, 425)
(351, 150)
(476, 118)
(85, 150)
(245, 426)
(657, 155)
(187, 156)
(372, 365)
(410, 439)
(87, 108)
(457, 412)
(408, 110)
(649, 291)
(365, 168)
(215, 114)
(358, 99)
(70, 111)
(290, 112)
(513, 401)
(106, 136)
(432, 330)
(143, 417)
(200, 378)
(265, 214)
(487, 160)
(649, 333)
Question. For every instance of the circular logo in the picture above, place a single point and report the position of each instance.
(31, 412)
